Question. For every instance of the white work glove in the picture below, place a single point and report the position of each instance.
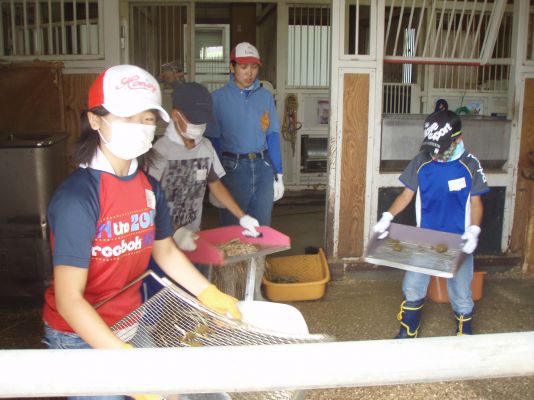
(250, 224)
(471, 238)
(278, 187)
(185, 239)
(383, 225)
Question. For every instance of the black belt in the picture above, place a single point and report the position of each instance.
(248, 156)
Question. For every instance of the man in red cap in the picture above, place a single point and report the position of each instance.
(246, 134)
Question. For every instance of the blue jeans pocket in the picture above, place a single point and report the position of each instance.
(63, 340)
(229, 164)
(268, 162)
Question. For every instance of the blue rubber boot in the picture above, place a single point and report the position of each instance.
(463, 324)
(409, 317)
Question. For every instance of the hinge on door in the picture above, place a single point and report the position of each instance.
(123, 36)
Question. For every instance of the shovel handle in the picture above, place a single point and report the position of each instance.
(129, 284)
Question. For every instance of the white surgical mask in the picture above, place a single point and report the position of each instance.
(192, 131)
(458, 151)
(451, 155)
(129, 140)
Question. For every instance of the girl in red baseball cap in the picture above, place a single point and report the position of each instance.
(108, 218)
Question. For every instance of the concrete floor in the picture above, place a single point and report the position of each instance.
(363, 306)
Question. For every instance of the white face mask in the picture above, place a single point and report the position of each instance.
(192, 131)
(452, 155)
(129, 140)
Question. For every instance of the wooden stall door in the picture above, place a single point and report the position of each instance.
(523, 228)
(353, 164)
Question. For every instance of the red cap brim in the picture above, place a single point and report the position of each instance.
(247, 60)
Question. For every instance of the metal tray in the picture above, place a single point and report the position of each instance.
(414, 249)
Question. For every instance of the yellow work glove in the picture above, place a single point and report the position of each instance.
(145, 396)
(219, 302)
(141, 396)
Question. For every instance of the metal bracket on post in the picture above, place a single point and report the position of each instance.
(210, 272)
(251, 280)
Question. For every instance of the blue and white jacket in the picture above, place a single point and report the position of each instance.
(246, 121)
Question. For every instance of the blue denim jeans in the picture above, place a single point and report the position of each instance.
(65, 340)
(415, 286)
(251, 184)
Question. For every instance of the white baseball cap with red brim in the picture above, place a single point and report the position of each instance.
(245, 53)
(125, 90)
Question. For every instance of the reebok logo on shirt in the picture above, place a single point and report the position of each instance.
(116, 251)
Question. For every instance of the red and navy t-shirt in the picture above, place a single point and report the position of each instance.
(107, 224)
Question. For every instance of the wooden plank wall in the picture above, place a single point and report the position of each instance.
(243, 24)
(353, 165)
(75, 88)
(31, 100)
(523, 228)
(38, 98)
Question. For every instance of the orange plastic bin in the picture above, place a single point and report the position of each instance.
(310, 270)
(437, 289)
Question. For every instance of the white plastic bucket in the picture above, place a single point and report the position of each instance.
(275, 317)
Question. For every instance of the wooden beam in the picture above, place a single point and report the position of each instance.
(353, 165)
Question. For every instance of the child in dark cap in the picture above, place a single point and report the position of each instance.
(448, 181)
(187, 164)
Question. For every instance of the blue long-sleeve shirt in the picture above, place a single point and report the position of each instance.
(245, 122)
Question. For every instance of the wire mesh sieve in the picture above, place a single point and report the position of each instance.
(240, 279)
(173, 318)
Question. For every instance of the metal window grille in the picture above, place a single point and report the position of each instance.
(157, 35)
(409, 51)
(530, 34)
(212, 67)
(54, 28)
(309, 33)
(490, 77)
(213, 85)
(461, 31)
(358, 25)
(400, 98)
(467, 41)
